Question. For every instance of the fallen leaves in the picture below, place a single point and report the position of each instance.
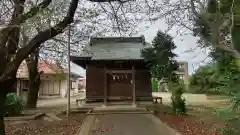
(102, 130)
(188, 126)
(40, 127)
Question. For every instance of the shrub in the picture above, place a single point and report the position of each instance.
(232, 121)
(13, 105)
(178, 101)
(213, 91)
(229, 131)
(154, 85)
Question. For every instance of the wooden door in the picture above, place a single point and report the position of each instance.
(119, 86)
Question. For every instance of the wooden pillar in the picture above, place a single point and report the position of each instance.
(133, 86)
(105, 86)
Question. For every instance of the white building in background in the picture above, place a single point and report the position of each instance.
(53, 80)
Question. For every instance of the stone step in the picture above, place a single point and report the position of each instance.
(119, 109)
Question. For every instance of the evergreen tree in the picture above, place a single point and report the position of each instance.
(160, 57)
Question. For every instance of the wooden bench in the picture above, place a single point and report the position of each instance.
(155, 100)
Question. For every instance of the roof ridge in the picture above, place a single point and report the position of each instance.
(117, 39)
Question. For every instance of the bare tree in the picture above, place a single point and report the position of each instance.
(11, 55)
(121, 16)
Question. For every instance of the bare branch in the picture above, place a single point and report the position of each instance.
(49, 33)
(43, 36)
(34, 10)
(4, 33)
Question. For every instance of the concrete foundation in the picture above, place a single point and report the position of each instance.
(119, 108)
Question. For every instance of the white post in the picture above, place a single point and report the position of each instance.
(69, 73)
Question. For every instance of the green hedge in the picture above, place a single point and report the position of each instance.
(13, 105)
(154, 85)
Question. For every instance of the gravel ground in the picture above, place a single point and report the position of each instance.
(195, 123)
(67, 126)
(188, 126)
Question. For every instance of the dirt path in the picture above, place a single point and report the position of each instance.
(55, 105)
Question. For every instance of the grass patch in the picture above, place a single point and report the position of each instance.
(208, 116)
(204, 113)
(197, 112)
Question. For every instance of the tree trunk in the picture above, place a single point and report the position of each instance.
(3, 96)
(4, 87)
(34, 79)
(10, 59)
(33, 93)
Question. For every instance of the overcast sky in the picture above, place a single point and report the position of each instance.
(184, 43)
